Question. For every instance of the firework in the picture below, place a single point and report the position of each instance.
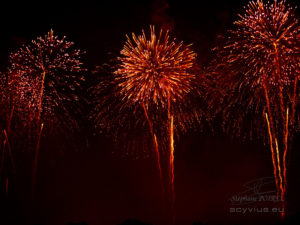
(155, 72)
(150, 70)
(43, 79)
(261, 59)
(152, 82)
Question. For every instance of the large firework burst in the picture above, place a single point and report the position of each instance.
(260, 67)
(153, 87)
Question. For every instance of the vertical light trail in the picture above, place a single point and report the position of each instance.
(155, 145)
(171, 159)
(273, 155)
(271, 132)
(269, 109)
(172, 177)
(279, 166)
(284, 128)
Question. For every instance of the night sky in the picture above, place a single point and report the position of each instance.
(88, 182)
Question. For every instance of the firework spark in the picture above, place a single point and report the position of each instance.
(262, 59)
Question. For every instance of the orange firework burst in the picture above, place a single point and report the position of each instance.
(153, 81)
(262, 61)
(155, 71)
(150, 70)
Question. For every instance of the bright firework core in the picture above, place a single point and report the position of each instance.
(152, 69)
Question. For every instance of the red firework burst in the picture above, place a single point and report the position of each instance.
(43, 78)
(261, 60)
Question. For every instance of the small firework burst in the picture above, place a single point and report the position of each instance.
(43, 79)
(260, 67)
